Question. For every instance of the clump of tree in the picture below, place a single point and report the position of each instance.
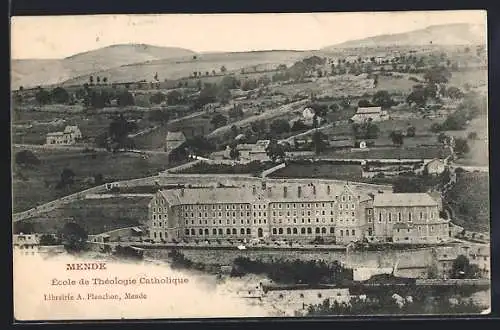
(124, 99)
(67, 178)
(365, 130)
(279, 126)
(319, 141)
(275, 151)
(218, 120)
(49, 240)
(161, 116)
(382, 99)
(128, 252)
(26, 158)
(294, 272)
(73, 237)
(397, 138)
(462, 268)
(157, 98)
(236, 111)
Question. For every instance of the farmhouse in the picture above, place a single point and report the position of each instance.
(70, 135)
(369, 113)
(29, 244)
(477, 255)
(250, 152)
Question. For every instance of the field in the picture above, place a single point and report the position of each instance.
(470, 77)
(34, 186)
(95, 216)
(390, 153)
(325, 171)
(179, 68)
(470, 200)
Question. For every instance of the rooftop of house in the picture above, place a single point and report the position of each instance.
(254, 194)
(368, 110)
(55, 134)
(25, 239)
(176, 136)
(70, 129)
(403, 199)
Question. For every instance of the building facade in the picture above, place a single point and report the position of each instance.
(332, 212)
(408, 218)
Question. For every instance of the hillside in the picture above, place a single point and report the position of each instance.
(446, 35)
(33, 72)
(170, 68)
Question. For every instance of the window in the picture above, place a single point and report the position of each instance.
(200, 231)
(317, 230)
(309, 230)
(399, 217)
(332, 230)
(280, 231)
(421, 215)
(249, 231)
(353, 232)
(214, 231)
(409, 217)
(323, 230)
(302, 230)
(186, 231)
(193, 232)
(295, 231)
(390, 217)
(341, 232)
(380, 217)
(242, 231)
(347, 232)
(289, 231)
(220, 231)
(234, 231)
(274, 231)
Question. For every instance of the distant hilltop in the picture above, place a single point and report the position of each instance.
(445, 35)
(34, 72)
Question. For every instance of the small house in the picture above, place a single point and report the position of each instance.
(369, 113)
(435, 166)
(70, 135)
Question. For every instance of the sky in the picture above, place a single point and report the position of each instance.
(61, 36)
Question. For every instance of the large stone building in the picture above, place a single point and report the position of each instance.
(336, 213)
(408, 218)
(369, 113)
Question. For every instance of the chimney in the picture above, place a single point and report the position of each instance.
(299, 191)
(182, 192)
(284, 191)
(263, 185)
(328, 189)
(254, 190)
(314, 189)
(269, 192)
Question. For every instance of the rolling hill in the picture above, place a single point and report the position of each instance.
(445, 35)
(34, 72)
(171, 68)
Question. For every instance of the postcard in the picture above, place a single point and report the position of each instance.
(181, 166)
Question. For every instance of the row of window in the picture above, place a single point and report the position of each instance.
(389, 216)
(303, 231)
(214, 222)
(218, 207)
(310, 205)
(215, 232)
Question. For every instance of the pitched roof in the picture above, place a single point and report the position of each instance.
(70, 129)
(403, 199)
(367, 110)
(175, 136)
(271, 193)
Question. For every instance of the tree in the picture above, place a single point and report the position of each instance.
(437, 75)
(125, 99)
(174, 97)
(410, 131)
(235, 112)
(46, 240)
(26, 157)
(472, 136)
(73, 236)
(364, 103)
(280, 126)
(442, 138)
(98, 80)
(382, 99)
(223, 69)
(461, 146)
(298, 126)
(104, 79)
(157, 98)
(218, 120)
(234, 153)
(98, 179)
(159, 115)
(462, 268)
(397, 138)
(318, 140)
(91, 80)
(275, 151)
(59, 95)
(454, 93)
(42, 97)
(67, 177)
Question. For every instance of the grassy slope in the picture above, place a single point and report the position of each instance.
(41, 180)
(95, 216)
(470, 200)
